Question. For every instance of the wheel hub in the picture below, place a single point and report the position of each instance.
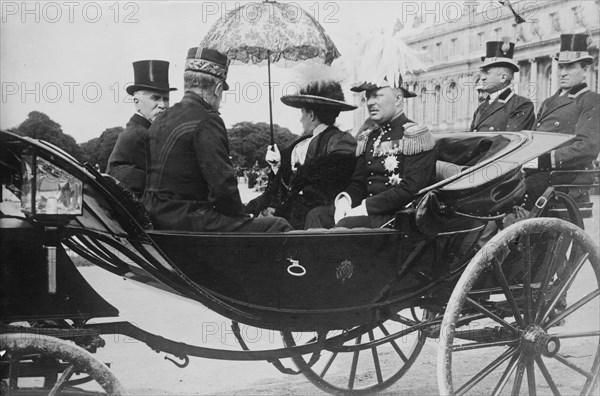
(535, 340)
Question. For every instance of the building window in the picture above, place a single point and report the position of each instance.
(498, 34)
(437, 105)
(452, 99)
(555, 24)
(438, 51)
(453, 47)
(480, 40)
(423, 105)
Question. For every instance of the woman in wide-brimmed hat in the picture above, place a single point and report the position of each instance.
(316, 167)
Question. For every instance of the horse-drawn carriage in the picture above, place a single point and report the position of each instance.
(345, 301)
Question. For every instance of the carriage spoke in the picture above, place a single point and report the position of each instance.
(527, 281)
(530, 375)
(516, 390)
(572, 308)
(328, 365)
(69, 371)
(506, 375)
(507, 293)
(394, 345)
(573, 366)
(547, 376)
(564, 287)
(552, 258)
(489, 313)
(485, 371)
(354, 365)
(577, 335)
(375, 359)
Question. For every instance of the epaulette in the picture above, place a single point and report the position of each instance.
(417, 139)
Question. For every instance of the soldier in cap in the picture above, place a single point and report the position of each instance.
(191, 183)
(396, 159)
(503, 110)
(150, 91)
(316, 167)
(572, 110)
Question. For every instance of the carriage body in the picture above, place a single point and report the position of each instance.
(308, 281)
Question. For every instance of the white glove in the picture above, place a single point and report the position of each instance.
(343, 205)
(360, 210)
(273, 157)
(533, 164)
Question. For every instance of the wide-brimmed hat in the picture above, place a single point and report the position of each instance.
(499, 54)
(573, 48)
(208, 61)
(368, 86)
(151, 75)
(326, 95)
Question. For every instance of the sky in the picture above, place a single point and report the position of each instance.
(72, 60)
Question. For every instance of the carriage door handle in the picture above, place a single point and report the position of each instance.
(295, 269)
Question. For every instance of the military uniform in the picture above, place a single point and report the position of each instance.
(191, 183)
(127, 162)
(577, 112)
(396, 160)
(509, 112)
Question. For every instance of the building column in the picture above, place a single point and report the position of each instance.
(517, 81)
(554, 77)
(533, 81)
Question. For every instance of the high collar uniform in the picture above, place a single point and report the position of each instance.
(508, 112)
(577, 112)
(389, 171)
(191, 184)
(127, 161)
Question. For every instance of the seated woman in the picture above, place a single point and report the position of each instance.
(316, 167)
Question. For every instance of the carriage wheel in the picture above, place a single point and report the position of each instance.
(541, 331)
(357, 366)
(47, 356)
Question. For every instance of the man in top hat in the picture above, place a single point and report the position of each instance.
(503, 110)
(150, 91)
(396, 159)
(572, 110)
(191, 183)
(316, 167)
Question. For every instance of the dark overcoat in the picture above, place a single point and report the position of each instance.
(574, 113)
(509, 112)
(327, 169)
(127, 161)
(191, 183)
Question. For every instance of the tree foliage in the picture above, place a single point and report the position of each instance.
(248, 142)
(97, 150)
(39, 126)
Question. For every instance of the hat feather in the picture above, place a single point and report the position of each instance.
(383, 59)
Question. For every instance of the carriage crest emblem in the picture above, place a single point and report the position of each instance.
(344, 270)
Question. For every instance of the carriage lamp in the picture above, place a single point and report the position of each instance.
(48, 191)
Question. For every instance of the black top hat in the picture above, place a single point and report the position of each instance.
(573, 48)
(152, 75)
(326, 95)
(499, 53)
(208, 61)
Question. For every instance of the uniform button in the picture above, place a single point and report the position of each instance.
(370, 195)
(491, 128)
(371, 151)
(389, 138)
(474, 130)
(371, 173)
(369, 163)
(370, 182)
(556, 124)
(538, 124)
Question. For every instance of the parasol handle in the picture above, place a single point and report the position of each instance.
(270, 101)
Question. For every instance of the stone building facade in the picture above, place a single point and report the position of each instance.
(452, 50)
